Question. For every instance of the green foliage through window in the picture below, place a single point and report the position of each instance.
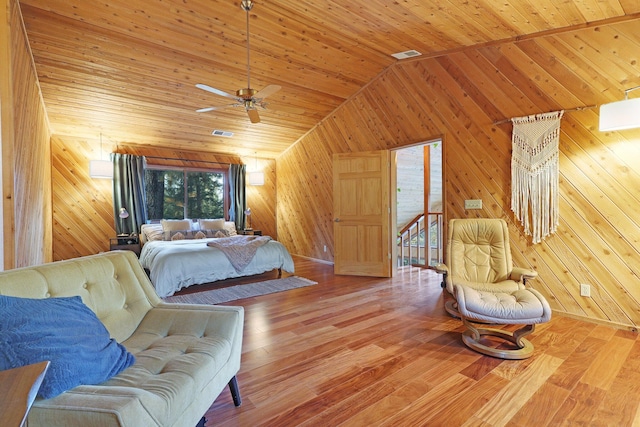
(177, 194)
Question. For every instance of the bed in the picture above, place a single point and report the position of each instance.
(177, 258)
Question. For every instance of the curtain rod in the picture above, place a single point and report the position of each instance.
(588, 107)
(187, 160)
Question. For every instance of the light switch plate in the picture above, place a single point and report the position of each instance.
(473, 204)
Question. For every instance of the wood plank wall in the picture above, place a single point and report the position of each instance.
(7, 134)
(262, 198)
(31, 163)
(458, 97)
(83, 219)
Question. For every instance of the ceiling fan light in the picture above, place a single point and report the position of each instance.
(620, 115)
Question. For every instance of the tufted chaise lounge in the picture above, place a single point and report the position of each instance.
(185, 354)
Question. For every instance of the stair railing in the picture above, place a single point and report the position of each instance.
(416, 243)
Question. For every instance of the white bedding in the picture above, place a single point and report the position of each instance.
(174, 265)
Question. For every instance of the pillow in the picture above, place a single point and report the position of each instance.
(218, 233)
(211, 224)
(179, 235)
(205, 234)
(175, 224)
(64, 331)
(153, 232)
(230, 226)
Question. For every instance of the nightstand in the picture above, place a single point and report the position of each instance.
(250, 232)
(18, 388)
(125, 243)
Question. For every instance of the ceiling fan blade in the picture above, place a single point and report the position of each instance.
(216, 91)
(204, 110)
(253, 115)
(269, 90)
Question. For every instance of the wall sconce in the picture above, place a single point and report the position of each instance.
(123, 215)
(256, 177)
(621, 115)
(101, 168)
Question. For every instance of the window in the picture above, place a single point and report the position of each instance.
(185, 193)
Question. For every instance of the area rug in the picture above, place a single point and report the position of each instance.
(232, 293)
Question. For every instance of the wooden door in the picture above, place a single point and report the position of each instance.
(361, 214)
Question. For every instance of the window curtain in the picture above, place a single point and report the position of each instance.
(238, 195)
(129, 192)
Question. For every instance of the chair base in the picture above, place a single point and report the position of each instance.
(451, 307)
(472, 336)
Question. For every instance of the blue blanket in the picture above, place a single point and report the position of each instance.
(63, 331)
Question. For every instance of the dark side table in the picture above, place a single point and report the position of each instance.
(125, 243)
(250, 232)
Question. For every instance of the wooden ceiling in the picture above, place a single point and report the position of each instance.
(128, 69)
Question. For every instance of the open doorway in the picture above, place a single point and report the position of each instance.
(418, 202)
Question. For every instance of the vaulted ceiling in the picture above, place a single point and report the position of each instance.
(127, 69)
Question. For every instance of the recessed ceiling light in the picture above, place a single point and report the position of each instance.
(222, 133)
(406, 54)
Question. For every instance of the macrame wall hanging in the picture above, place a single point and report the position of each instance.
(535, 173)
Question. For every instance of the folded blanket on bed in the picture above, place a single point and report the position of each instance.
(239, 250)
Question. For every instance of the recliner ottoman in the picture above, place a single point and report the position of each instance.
(521, 307)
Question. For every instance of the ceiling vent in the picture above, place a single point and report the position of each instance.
(406, 54)
(222, 133)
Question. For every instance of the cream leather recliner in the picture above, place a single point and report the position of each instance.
(478, 256)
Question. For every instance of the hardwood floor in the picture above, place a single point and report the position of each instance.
(357, 351)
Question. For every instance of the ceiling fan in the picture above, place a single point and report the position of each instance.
(248, 98)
